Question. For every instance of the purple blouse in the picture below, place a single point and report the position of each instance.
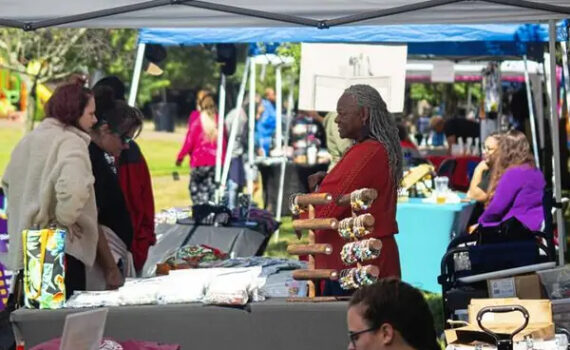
(519, 193)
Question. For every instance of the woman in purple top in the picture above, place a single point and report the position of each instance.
(517, 186)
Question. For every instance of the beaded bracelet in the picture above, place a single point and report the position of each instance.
(357, 203)
(355, 277)
(358, 251)
(295, 209)
(345, 228)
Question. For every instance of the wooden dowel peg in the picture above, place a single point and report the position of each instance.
(368, 220)
(316, 224)
(326, 274)
(367, 195)
(375, 244)
(306, 249)
(304, 200)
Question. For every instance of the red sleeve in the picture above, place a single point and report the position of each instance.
(359, 168)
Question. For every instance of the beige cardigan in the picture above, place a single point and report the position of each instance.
(49, 180)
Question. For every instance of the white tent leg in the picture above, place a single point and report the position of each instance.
(136, 75)
(220, 144)
(536, 85)
(289, 116)
(250, 151)
(234, 125)
(531, 113)
(555, 143)
(278, 111)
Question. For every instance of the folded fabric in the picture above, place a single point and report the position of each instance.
(110, 344)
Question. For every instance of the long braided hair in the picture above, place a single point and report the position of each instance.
(381, 126)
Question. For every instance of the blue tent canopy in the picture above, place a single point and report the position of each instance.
(441, 40)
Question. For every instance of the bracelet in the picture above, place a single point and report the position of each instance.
(357, 203)
(295, 209)
(345, 228)
(355, 278)
(353, 252)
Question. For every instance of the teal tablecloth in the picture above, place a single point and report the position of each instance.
(425, 230)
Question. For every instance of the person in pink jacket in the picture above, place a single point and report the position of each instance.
(201, 145)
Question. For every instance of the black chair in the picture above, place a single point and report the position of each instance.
(447, 167)
(460, 285)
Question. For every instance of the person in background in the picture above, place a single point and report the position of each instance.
(390, 314)
(306, 130)
(481, 178)
(266, 122)
(517, 186)
(423, 126)
(134, 179)
(49, 180)
(201, 145)
(460, 127)
(409, 149)
(437, 135)
(110, 137)
(336, 146)
(236, 176)
(375, 161)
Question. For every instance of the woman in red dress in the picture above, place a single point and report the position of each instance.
(374, 161)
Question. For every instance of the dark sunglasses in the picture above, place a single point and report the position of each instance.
(353, 336)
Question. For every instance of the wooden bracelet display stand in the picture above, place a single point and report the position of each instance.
(307, 202)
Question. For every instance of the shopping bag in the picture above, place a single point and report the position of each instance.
(44, 268)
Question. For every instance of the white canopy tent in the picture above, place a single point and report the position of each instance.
(30, 15)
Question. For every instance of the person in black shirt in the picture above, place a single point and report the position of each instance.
(110, 137)
(460, 127)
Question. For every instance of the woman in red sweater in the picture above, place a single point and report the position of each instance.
(374, 161)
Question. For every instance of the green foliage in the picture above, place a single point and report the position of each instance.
(450, 94)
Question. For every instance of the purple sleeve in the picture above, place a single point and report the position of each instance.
(507, 188)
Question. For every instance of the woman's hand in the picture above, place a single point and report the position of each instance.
(315, 180)
(482, 166)
(113, 278)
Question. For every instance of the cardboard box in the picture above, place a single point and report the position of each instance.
(522, 287)
(540, 324)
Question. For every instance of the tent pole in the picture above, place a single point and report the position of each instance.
(531, 113)
(279, 110)
(288, 117)
(250, 146)
(220, 144)
(136, 75)
(234, 125)
(555, 142)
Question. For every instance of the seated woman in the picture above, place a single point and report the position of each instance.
(410, 151)
(390, 314)
(374, 161)
(482, 176)
(517, 186)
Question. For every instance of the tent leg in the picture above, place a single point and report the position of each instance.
(531, 113)
(288, 117)
(220, 144)
(555, 142)
(136, 75)
(234, 125)
(250, 150)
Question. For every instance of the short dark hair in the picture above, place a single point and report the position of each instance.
(402, 306)
(115, 84)
(68, 103)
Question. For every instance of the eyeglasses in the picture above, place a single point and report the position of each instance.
(353, 336)
(126, 139)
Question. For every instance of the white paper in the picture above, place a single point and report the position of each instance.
(84, 330)
(503, 288)
(328, 69)
(443, 72)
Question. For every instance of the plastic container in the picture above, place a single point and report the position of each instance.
(556, 282)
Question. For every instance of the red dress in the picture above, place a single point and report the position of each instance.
(365, 165)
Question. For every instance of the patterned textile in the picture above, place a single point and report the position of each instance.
(202, 185)
(44, 271)
(5, 275)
